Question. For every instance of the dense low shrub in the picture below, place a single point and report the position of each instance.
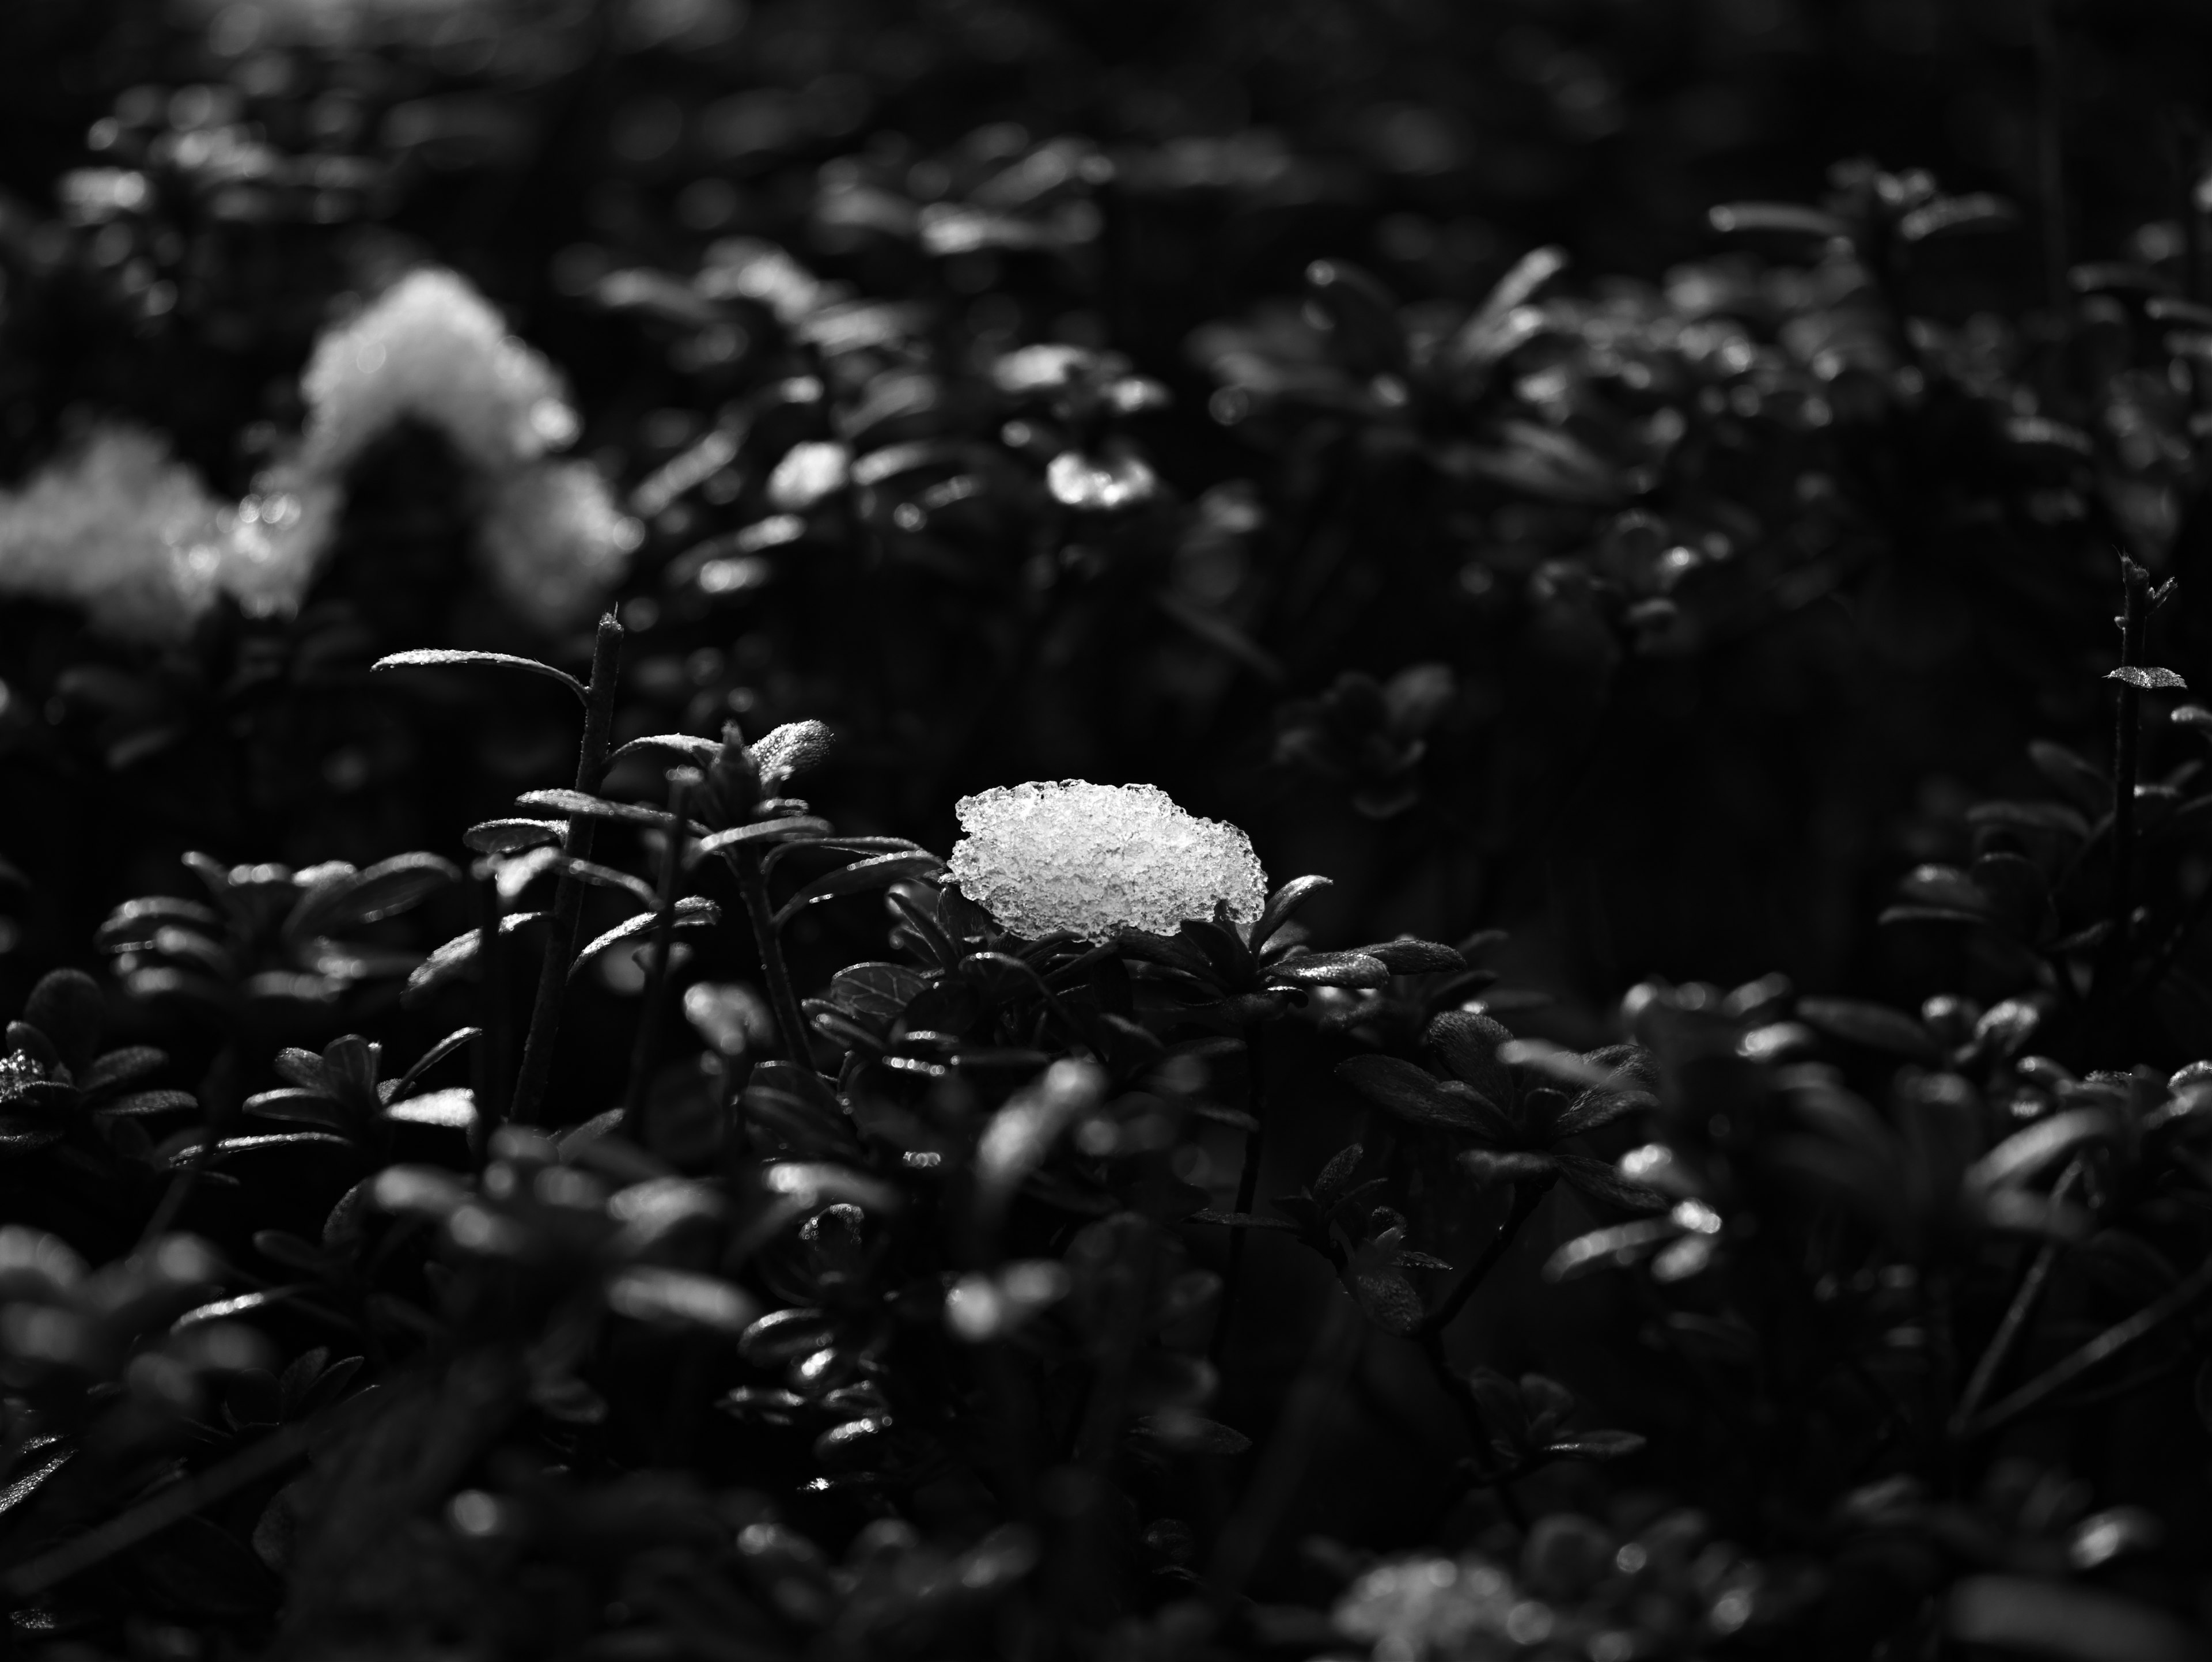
(849, 832)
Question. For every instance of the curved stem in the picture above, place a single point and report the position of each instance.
(1526, 1198)
(569, 896)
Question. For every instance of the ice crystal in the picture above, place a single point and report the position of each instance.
(122, 529)
(433, 349)
(1093, 859)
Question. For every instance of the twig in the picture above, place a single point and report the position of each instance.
(681, 782)
(560, 937)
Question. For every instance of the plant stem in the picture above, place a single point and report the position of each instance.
(170, 1506)
(681, 782)
(1526, 1198)
(495, 1014)
(1248, 1188)
(2135, 587)
(1274, 1485)
(187, 1177)
(790, 1022)
(2104, 1346)
(569, 895)
(2024, 1300)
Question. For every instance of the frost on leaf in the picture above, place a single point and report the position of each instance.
(1093, 859)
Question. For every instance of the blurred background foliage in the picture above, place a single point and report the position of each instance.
(1730, 809)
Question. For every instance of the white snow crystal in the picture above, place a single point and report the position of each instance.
(1093, 859)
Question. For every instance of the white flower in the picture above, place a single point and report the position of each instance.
(433, 349)
(1093, 859)
(133, 536)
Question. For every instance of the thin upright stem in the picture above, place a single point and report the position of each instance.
(681, 782)
(494, 1013)
(790, 1022)
(2127, 737)
(560, 935)
(1248, 1188)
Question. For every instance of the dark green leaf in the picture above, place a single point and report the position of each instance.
(1747, 218)
(1330, 969)
(1598, 1179)
(1409, 957)
(150, 1102)
(796, 828)
(427, 658)
(1411, 1093)
(692, 912)
(2027, 1616)
(1596, 1445)
(1876, 1026)
(1282, 903)
(2149, 677)
(875, 874)
(1467, 1044)
(388, 887)
(577, 804)
(514, 835)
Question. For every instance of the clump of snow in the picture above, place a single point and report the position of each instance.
(123, 530)
(432, 348)
(554, 541)
(1094, 858)
(135, 538)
